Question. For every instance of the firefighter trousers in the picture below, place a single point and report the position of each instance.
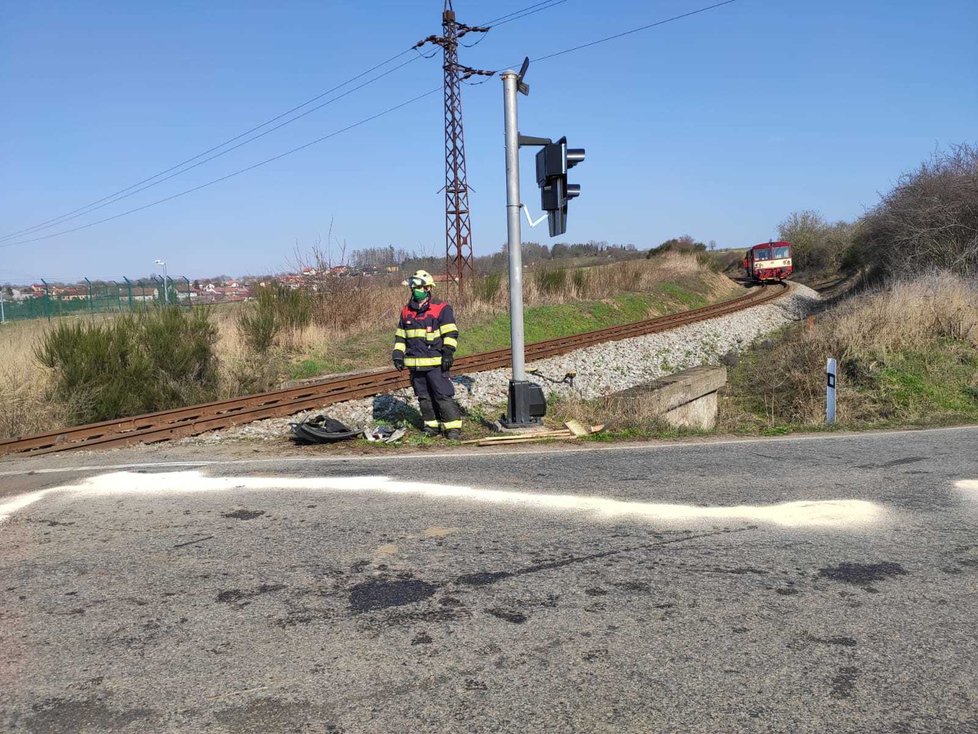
(434, 390)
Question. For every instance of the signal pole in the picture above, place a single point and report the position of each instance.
(526, 403)
(458, 224)
(513, 225)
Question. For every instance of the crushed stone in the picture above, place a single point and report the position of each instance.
(600, 370)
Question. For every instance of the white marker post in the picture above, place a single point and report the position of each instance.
(830, 391)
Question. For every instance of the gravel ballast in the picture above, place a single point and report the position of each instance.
(600, 370)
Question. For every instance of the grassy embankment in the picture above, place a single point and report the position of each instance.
(346, 330)
(486, 329)
(907, 355)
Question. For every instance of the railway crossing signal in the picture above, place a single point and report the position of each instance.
(553, 162)
(527, 403)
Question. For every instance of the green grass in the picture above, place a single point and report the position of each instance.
(310, 367)
(932, 386)
(566, 319)
(687, 295)
(372, 349)
(926, 388)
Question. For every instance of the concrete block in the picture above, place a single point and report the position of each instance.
(685, 399)
(700, 413)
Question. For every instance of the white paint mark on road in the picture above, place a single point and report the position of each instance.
(815, 513)
(967, 484)
(19, 502)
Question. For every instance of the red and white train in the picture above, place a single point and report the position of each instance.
(768, 261)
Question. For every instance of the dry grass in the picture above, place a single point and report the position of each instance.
(24, 408)
(912, 334)
(909, 314)
(639, 415)
(343, 308)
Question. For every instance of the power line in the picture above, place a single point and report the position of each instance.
(517, 15)
(389, 110)
(522, 14)
(496, 21)
(633, 30)
(94, 205)
(612, 37)
(135, 189)
(180, 168)
(233, 174)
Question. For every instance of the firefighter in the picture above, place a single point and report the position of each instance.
(425, 343)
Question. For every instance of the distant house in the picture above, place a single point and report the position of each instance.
(142, 295)
(73, 293)
(236, 293)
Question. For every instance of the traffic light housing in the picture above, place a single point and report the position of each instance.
(553, 162)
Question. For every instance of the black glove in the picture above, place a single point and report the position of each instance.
(447, 360)
(398, 359)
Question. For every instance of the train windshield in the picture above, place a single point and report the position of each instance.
(762, 254)
(782, 253)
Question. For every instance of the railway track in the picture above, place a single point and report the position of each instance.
(197, 419)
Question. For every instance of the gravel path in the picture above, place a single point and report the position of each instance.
(601, 370)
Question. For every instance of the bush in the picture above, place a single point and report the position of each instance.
(551, 281)
(292, 307)
(358, 303)
(258, 327)
(486, 288)
(137, 363)
(817, 245)
(683, 245)
(275, 310)
(929, 220)
(582, 280)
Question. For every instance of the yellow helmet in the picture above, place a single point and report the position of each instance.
(420, 279)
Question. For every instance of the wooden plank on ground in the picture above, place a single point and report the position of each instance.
(576, 428)
(529, 439)
(519, 436)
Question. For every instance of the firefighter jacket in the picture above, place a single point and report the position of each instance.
(425, 332)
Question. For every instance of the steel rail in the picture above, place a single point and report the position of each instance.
(196, 419)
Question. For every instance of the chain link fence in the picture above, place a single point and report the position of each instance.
(50, 300)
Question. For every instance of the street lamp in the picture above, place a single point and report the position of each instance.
(166, 293)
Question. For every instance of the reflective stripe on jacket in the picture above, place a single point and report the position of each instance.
(425, 332)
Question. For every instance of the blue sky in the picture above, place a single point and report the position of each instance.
(718, 125)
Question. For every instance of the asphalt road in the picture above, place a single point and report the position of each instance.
(826, 584)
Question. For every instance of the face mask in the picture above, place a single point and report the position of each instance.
(419, 294)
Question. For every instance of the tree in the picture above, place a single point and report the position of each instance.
(929, 220)
(817, 245)
(683, 243)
